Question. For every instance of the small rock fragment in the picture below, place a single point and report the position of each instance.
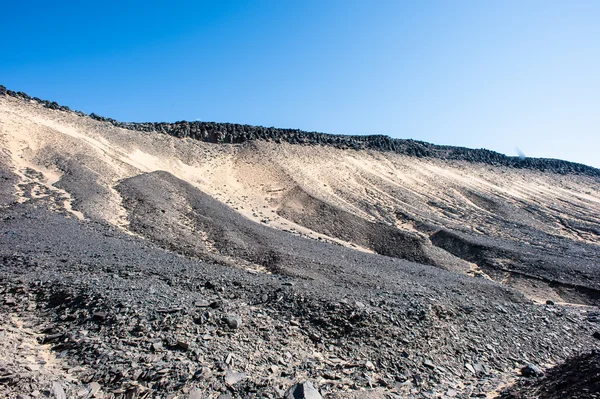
(101, 316)
(233, 321)
(302, 390)
(58, 391)
(196, 394)
(183, 345)
(429, 364)
(531, 370)
(157, 346)
(233, 377)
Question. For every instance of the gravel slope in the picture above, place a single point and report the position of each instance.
(139, 264)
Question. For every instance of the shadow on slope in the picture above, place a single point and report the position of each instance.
(303, 209)
(180, 217)
(577, 378)
(536, 272)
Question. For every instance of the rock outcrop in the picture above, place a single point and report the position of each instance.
(233, 133)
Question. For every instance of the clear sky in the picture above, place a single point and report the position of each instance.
(481, 74)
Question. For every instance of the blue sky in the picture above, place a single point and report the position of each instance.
(481, 74)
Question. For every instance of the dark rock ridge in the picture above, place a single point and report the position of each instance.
(214, 132)
(578, 377)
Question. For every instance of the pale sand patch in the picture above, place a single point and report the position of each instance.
(253, 178)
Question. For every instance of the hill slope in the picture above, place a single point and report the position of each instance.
(374, 266)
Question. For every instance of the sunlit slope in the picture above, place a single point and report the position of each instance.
(534, 230)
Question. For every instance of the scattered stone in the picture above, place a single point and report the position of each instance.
(304, 390)
(196, 394)
(549, 302)
(233, 377)
(596, 335)
(101, 316)
(531, 370)
(233, 321)
(183, 345)
(58, 391)
(427, 363)
(157, 346)
(94, 388)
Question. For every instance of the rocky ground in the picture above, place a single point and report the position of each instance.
(127, 318)
(170, 292)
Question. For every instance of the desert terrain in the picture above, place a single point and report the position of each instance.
(209, 260)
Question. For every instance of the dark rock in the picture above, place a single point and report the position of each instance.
(183, 345)
(216, 304)
(233, 321)
(549, 302)
(101, 316)
(235, 134)
(594, 317)
(429, 364)
(531, 370)
(596, 335)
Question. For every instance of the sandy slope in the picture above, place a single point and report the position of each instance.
(255, 177)
(240, 209)
(84, 159)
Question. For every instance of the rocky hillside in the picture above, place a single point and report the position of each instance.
(251, 262)
(233, 133)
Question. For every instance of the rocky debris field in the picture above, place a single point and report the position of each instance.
(129, 268)
(126, 318)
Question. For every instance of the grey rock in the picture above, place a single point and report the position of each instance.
(303, 390)
(233, 321)
(429, 364)
(531, 370)
(233, 377)
(94, 388)
(202, 303)
(196, 394)
(58, 391)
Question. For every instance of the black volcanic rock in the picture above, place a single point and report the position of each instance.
(233, 133)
